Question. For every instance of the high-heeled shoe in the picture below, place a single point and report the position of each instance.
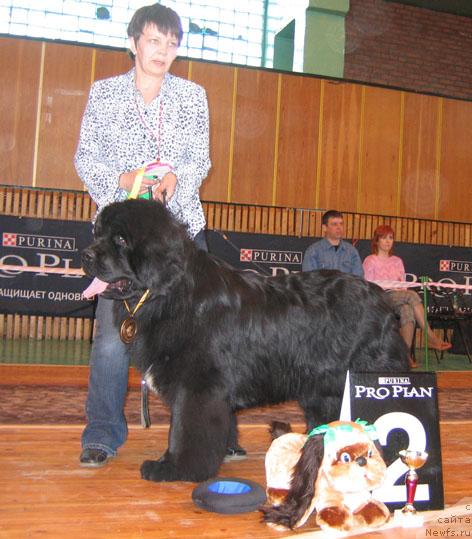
(412, 363)
(442, 346)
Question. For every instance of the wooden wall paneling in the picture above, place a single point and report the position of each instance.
(17, 327)
(456, 161)
(33, 202)
(209, 211)
(466, 238)
(221, 215)
(256, 217)
(252, 179)
(218, 81)
(303, 222)
(40, 204)
(418, 186)
(378, 187)
(48, 196)
(278, 221)
(292, 221)
(16, 203)
(230, 217)
(109, 63)
(316, 224)
(339, 156)
(271, 221)
(349, 225)
(10, 326)
(434, 232)
(286, 221)
(180, 67)
(66, 84)
(247, 221)
(222, 218)
(25, 200)
(33, 327)
(265, 220)
(404, 228)
(252, 214)
(427, 233)
(355, 231)
(296, 174)
(3, 200)
(21, 62)
(239, 218)
(416, 231)
(445, 232)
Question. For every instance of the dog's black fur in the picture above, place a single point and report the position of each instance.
(213, 340)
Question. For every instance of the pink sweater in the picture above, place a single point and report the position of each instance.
(378, 268)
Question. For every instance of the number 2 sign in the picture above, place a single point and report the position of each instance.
(404, 410)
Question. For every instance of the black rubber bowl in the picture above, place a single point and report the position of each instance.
(229, 495)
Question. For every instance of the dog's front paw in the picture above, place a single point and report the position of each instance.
(158, 470)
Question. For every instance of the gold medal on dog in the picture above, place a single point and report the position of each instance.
(129, 326)
(128, 330)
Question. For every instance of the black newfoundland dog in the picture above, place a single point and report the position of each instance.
(212, 340)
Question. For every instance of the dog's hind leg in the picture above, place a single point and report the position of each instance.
(197, 441)
(233, 450)
(321, 410)
(233, 431)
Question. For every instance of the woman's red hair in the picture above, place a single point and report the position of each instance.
(380, 232)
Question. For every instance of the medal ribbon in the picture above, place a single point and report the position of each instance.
(139, 304)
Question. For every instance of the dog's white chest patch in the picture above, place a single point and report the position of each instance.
(149, 380)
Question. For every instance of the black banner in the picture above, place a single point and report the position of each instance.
(404, 409)
(270, 255)
(43, 243)
(55, 243)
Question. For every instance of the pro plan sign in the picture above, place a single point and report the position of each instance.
(43, 243)
(404, 410)
(262, 253)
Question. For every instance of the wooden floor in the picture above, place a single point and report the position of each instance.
(44, 493)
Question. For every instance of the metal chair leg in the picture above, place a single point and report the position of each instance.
(464, 341)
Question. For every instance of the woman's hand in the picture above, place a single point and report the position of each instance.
(167, 186)
(127, 181)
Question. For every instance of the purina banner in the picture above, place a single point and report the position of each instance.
(404, 410)
(57, 244)
(273, 255)
(49, 243)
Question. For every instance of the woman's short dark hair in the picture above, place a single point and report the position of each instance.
(164, 18)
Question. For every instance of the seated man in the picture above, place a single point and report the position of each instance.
(332, 252)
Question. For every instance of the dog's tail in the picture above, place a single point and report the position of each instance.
(278, 428)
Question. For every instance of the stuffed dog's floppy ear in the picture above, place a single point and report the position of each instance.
(295, 509)
(279, 428)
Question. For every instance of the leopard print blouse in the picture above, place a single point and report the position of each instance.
(120, 133)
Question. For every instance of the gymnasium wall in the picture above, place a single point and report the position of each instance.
(409, 47)
(277, 139)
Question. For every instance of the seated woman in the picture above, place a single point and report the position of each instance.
(382, 265)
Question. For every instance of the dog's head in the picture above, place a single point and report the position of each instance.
(138, 245)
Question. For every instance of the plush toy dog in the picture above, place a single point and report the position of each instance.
(331, 471)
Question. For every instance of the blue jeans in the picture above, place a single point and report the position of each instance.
(108, 380)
